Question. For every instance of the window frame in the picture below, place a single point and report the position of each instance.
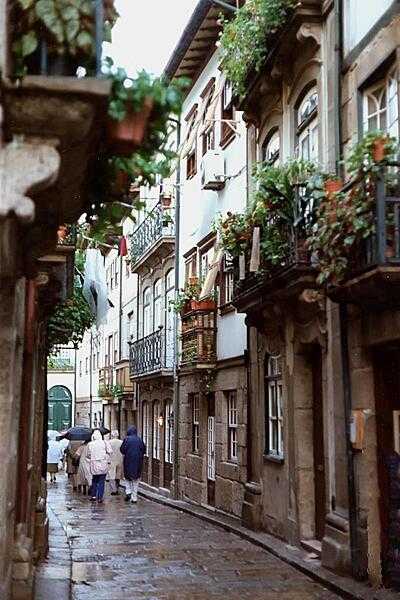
(191, 158)
(147, 304)
(156, 434)
(273, 418)
(157, 289)
(232, 410)
(195, 410)
(226, 283)
(227, 114)
(145, 426)
(309, 126)
(275, 158)
(169, 432)
(385, 74)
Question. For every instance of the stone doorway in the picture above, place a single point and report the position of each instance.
(211, 450)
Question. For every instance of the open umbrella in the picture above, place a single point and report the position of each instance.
(103, 430)
(78, 433)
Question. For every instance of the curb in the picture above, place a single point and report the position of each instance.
(345, 587)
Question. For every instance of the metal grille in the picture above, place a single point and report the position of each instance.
(148, 354)
(156, 225)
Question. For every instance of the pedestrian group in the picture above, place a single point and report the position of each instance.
(90, 463)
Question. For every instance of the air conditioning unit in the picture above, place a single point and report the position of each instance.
(212, 170)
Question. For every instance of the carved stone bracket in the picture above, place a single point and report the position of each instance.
(308, 31)
(25, 168)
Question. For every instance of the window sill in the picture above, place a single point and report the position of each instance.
(224, 143)
(273, 459)
(227, 308)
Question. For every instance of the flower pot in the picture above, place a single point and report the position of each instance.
(125, 136)
(378, 149)
(332, 186)
(202, 305)
(193, 280)
(166, 201)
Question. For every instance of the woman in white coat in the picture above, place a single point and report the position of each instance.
(116, 467)
(99, 454)
(84, 476)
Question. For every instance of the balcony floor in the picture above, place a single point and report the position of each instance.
(376, 288)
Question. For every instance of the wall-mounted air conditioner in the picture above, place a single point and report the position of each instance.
(212, 170)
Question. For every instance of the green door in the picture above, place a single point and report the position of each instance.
(60, 408)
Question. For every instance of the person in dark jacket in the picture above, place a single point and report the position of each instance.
(133, 450)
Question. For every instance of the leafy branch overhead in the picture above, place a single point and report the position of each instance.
(69, 321)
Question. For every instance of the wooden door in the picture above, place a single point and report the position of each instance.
(211, 451)
(387, 406)
(318, 442)
(59, 408)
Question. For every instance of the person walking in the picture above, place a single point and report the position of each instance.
(55, 453)
(115, 472)
(99, 455)
(73, 462)
(133, 450)
(84, 476)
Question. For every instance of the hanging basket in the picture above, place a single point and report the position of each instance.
(125, 136)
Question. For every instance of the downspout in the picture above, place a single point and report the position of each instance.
(176, 320)
(120, 336)
(343, 312)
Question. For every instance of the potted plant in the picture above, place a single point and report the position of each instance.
(206, 304)
(65, 35)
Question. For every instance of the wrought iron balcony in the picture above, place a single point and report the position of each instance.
(153, 239)
(289, 276)
(199, 339)
(151, 354)
(374, 273)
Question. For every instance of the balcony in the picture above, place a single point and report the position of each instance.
(373, 279)
(151, 355)
(293, 273)
(153, 240)
(199, 339)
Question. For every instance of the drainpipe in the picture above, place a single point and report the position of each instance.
(176, 320)
(355, 551)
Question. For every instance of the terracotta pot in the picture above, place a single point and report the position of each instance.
(332, 186)
(166, 201)
(125, 136)
(202, 305)
(378, 149)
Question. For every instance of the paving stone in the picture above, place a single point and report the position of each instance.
(154, 552)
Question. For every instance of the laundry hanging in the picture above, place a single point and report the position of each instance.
(94, 285)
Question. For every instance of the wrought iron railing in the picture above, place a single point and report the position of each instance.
(293, 231)
(199, 338)
(156, 225)
(151, 353)
(383, 246)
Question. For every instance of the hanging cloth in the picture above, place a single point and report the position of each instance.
(122, 248)
(211, 277)
(94, 286)
(255, 251)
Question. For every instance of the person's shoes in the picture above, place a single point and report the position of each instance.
(133, 501)
(100, 501)
(127, 497)
(114, 494)
(93, 499)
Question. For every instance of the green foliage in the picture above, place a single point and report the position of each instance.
(246, 39)
(69, 321)
(191, 291)
(346, 218)
(67, 26)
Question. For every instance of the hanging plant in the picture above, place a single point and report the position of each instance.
(69, 321)
(346, 218)
(66, 26)
(246, 39)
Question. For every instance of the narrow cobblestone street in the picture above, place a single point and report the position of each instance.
(156, 552)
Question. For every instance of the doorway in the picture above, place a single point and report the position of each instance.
(318, 444)
(211, 450)
(60, 408)
(387, 405)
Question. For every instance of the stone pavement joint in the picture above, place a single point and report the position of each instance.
(153, 551)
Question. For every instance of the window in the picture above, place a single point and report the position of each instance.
(195, 422)
(145, 426)
(169, 317)
(109, 356)
(169, 431)
(191, 143)
(232, 426)
(227, 114)
(226, 284)
(307, 126)
(116, 271)
(129, 329)
(208, 126)
(158, 305)
(80, 368)
(273, 407)
(98, 360)
(86, 365)
(206, 259)
(156, 430)
(191, 164)
(115, 347)
(190, 265)
(147, 312)
(271, 147)
(380, 105)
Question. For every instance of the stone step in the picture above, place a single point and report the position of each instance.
(313, 547)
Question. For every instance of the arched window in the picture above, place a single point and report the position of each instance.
(380, 105)
(156, 430)
(273, 406)
(145, 426)
(147, 325)
(308, 125)
(169, 431)
(158, 305)
(271, 147)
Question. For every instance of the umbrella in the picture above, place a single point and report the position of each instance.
(78, 433)
(103, 430)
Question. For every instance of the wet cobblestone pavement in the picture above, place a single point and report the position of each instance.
(149, 551)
